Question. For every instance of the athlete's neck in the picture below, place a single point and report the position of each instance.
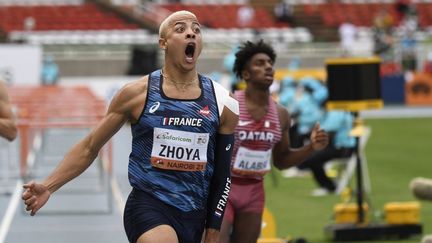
(257, 96)
(178, 76)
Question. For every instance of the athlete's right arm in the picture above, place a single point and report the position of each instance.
(124, 106)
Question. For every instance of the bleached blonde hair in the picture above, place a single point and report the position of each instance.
(163, 26)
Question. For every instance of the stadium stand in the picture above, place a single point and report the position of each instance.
(66, 22)
(65, 17)
(211, 15)
(118, 24)
(362, 14)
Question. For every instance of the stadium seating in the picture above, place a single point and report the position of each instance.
(225, 15)
(62, 17)
(362, 12)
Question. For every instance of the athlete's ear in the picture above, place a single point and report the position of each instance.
(162, 43)
(245, 75)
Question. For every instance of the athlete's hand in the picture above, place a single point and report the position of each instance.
(319, 138)
(211, 236)
(35, 195)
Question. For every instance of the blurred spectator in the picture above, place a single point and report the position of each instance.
(407, 28)
(287, 93)
(306, 109)
(7, 76)
(319, 91)
(409, 51)
(245, 16)
(338, 124)
(401, 7)
(347, 35)
(284, 12)
(304, 101)
(428, 63)
(294, 64)
(29, 23)
(383, 36)
(228, 65)
(50, 71)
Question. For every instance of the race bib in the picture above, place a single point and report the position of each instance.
(251, 162)
(179, 150)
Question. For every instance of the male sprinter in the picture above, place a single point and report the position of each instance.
(182, 128)
(262, 133)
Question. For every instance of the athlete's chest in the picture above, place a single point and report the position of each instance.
(266, 129)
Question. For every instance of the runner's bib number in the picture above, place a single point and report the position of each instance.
(251, 162)
(179, 150)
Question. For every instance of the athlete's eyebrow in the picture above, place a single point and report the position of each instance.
(183, 23)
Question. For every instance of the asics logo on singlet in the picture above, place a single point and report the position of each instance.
(228, 147)
(154, 107)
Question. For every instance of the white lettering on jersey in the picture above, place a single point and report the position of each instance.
(256, 136)
(182, 121)
(252, 162)
(179, 150)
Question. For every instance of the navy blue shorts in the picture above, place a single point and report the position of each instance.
(144, 212)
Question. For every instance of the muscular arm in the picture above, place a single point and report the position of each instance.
(221, 181)
(8, 128)
(126, 105)
(283, 155)
(79, 158)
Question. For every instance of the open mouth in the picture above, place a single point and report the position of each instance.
(190, 51)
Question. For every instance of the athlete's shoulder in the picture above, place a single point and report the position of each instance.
(225, 98)
(134, 88)
(130, 95)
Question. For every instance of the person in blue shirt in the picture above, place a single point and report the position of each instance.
(228, 64)
(338, 124)
(50, 71)
(287, 92)
(306, 108)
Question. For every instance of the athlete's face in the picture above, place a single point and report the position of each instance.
(181, 39)
(259, 70)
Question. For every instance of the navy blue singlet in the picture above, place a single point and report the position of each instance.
(173, 146)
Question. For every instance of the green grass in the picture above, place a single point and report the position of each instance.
(397, 151)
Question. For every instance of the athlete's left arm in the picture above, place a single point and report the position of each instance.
(283, 155)
(221, 180)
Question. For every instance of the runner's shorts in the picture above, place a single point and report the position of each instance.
(246, 196)
(144, 212)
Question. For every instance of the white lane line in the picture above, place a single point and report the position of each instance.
(10, 212)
